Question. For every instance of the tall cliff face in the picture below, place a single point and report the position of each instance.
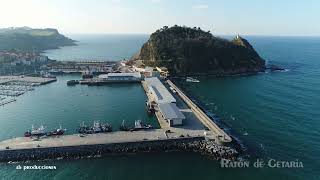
(187, 51)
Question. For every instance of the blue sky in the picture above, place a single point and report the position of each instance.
(247, 17)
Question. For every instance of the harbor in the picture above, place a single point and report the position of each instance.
(179, 121)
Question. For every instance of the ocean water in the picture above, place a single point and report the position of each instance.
(105, 47)
(275, 115)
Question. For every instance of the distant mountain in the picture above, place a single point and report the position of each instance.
(28, 39)
(192, 51)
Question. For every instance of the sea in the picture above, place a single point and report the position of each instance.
(273, 115)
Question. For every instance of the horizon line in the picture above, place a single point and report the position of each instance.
(265, 35)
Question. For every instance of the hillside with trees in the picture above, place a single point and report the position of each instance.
(191, 51)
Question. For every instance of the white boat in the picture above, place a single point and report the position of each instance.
(139, 125)
(190, 79)
(35, 131)
(96, 127)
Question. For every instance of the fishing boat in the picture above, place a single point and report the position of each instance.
(56, 132)
(190, 79)
(96, 128)
(139, 125)
(124, 127)
(35, 131)
(150, 107)
(83, 129)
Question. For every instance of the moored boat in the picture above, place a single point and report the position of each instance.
(190, 79)
(56, 132)
(96, 128)
(87, 75)
(72, 82)
(139, 125)
(124, 127)
(150, 107)
(35, 131)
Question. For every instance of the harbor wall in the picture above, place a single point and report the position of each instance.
(194, 144)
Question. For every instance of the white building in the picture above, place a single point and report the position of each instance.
(171, 113)
(165, 101)
(159, 91)
(120, 77)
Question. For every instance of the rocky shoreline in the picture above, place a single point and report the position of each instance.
(198, 145)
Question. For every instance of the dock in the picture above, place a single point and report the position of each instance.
(76, 145)
(192, 130)
(163, 124)
(90, 139)
(195, 117)
(203, 117)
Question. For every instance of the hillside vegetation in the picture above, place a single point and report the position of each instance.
(28, 39)
(186, 51)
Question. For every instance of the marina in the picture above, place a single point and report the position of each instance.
(29, 80)
(14, 86)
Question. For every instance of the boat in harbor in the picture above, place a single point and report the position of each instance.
(172, 89)
(35, 131)
(150, 107)
(96, 128)
(84, 129)
(57, 132)
(139, 125)
(48, 75)
(41, 131)
(191, 79)
(87, 75)
(124, 127)
(99, 127)
(72, 82)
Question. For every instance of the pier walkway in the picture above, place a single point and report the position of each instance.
(94, 139)
(222, 136)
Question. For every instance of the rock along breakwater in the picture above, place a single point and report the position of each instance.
(195, 144)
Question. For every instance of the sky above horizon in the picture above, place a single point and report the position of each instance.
(226, 17)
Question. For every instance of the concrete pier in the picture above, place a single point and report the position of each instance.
(222, 136)
(191, 123)
(192, 130)
(91, 139)
(26, 148)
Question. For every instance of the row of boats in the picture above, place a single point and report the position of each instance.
(97, 127)
(41, 131)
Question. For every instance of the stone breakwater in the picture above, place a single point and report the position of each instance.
(199, 145)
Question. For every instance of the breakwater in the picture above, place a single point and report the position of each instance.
(220, 134)
(195, 144)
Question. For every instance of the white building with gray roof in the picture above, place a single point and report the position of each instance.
(165, 101)
(160, 92)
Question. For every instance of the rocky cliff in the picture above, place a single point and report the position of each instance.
(192, 51)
